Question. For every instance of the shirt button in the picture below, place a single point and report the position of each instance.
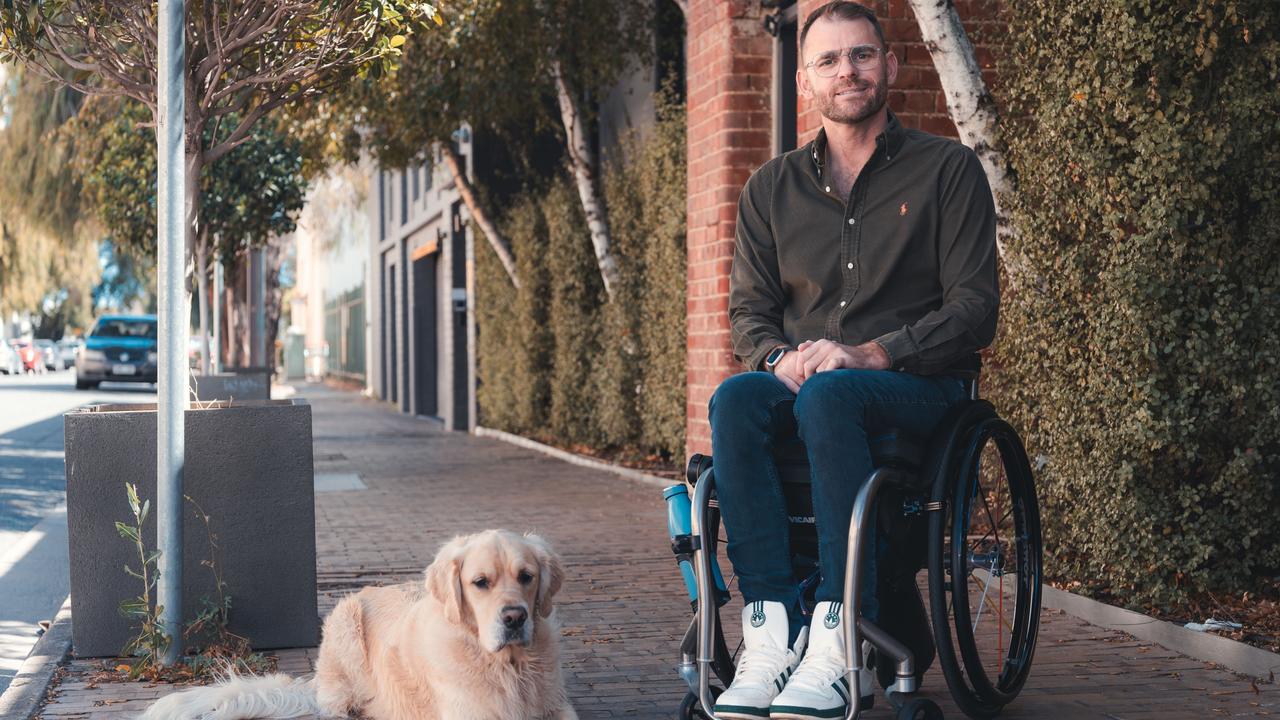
(828, 188)
(850, 221)
(850, 266)
(842, 303)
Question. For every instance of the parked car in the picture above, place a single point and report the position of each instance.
(49, 351)
(31, 357)
(10, 363)
(68, 348)
(120, 348)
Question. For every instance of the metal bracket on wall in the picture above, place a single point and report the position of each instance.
(773, 22)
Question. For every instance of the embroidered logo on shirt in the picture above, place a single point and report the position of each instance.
(903, 209)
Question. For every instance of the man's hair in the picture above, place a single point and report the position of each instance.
(843, 10)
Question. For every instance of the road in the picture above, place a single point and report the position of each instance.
(33, 527)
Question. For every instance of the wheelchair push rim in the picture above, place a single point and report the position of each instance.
(985, 568)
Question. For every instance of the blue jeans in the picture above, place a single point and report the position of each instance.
(753, 412)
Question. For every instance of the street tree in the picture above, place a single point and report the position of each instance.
(254, 193)
(48, 264)
(244, 59)
(502, 64)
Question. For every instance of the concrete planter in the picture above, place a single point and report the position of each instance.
(249, 466)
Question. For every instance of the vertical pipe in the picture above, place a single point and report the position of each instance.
(260, 307)
(173, 320)
(217, 314)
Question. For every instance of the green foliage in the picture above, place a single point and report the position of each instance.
(250, 194)
(151, 641)
(487, 65)
(556, 360)
(1141, 353)
(47, 261)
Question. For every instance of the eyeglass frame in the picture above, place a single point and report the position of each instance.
(848, 52)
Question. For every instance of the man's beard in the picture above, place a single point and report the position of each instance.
(864, 107)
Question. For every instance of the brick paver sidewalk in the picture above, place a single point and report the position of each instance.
(623, 607)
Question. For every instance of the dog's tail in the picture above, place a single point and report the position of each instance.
(240, 698)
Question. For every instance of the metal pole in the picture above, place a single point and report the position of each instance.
(258, 306)
(217, 315)
(173, 320)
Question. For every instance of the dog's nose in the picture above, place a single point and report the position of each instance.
(513, 617)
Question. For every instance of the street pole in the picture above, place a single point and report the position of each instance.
(259, 336)
(217, 315)
(173, 320)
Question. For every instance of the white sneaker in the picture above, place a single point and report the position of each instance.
(765, 664)
(819, 690)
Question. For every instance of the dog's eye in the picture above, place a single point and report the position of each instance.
(481, 582)
(525, 577)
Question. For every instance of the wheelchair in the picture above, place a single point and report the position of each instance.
(961, 503)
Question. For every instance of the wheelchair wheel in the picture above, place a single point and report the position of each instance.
(691, 707)
(919, 709)
(985, 564)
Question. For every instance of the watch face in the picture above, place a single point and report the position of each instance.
(774, 357)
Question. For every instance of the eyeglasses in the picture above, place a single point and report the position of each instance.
(862, 57)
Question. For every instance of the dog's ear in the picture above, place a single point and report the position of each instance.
(442, 577)
(550, 573)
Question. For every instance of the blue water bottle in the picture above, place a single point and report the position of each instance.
(680, 528)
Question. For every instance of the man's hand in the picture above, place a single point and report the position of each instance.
(823, 355)
(790, 370)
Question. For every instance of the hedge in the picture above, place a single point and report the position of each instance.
(1141, 350)
(559, 361)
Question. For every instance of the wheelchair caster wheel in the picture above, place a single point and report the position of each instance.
(920, 709)
(691, 707)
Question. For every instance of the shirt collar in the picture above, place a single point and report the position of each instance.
(892, 138)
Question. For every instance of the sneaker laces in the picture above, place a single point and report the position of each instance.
(760, 664)
(818, 669)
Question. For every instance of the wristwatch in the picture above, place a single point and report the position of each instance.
(775, 356)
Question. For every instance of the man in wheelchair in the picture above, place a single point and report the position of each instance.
(864, 279)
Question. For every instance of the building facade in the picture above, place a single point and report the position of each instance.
(421, 284)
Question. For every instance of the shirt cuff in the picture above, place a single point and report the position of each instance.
(756, 360)
(899, 346)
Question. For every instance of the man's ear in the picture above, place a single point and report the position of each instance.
(442, 577)
(802, 84)
(550, 573)
(891, 66)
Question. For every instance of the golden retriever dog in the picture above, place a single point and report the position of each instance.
(476, 641)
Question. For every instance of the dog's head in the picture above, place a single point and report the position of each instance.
(496, 583)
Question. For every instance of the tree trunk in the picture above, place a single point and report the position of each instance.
(583, 161)
(202, 288)
(500, 244)
(971, 107)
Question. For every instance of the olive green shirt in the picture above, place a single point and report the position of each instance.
(908, 260)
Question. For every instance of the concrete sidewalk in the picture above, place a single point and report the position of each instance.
(623, 606)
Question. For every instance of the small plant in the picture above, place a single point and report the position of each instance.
(222, 650)
(151, 642)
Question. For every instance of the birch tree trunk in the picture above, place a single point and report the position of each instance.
(583, 161)
(971, 107)
(499, 243)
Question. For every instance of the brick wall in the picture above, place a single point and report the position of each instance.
(729, 67)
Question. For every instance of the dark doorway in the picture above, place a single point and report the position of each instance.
(783, 26)
(461, 379)
(425, 291)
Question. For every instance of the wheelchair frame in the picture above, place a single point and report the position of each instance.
(697, 670)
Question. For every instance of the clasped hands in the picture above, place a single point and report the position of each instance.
(815, 356)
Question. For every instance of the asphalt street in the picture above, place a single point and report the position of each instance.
(33, 528)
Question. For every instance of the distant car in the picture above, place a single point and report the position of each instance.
(49, 351)
(120, 348)
(10, 363)
(68, 348)
(32, 358)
